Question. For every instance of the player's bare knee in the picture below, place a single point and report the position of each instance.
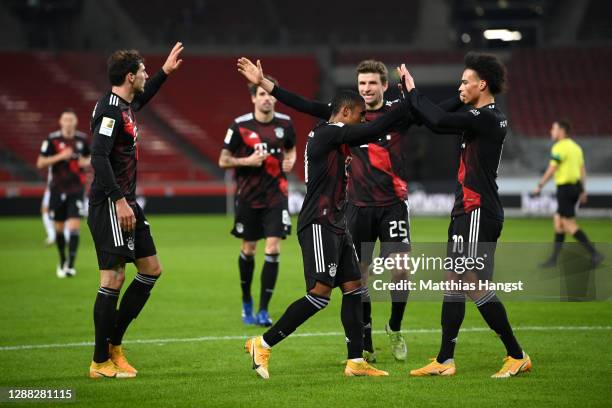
(273, 247)
(321, 290)
(350, 286)
(249, 248)
(113, 278)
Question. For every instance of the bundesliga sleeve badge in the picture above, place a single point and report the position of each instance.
(106, 128)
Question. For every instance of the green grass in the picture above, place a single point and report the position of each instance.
(198, 295)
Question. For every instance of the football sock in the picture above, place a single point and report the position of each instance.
(398, 306)
(60, 242)
(73, 246)
(494, 313)
(295, 315)
(132, 302)
(246, 265)
(269, 273)
(49, 227)
(351, 315)
(584, 240)
(367, 321)
(104, 318)
(453, 312)
(559, 238)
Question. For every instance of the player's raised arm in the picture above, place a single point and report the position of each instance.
(254, 74)
(152, 85)
(433, 115)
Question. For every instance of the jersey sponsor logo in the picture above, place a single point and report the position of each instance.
(261, 148)
(279, 132)
(107, 126)
(475, 112)
(503, 124)
(228, 136)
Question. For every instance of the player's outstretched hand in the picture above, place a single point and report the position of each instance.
(173, 62)
(407, 79)
(127, 219)
(253, 73)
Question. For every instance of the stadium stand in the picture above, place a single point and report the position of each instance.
(570, 83)
(206, 22)
(30, 110)
(596, 22)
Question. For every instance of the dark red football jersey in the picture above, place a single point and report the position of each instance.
(265, 186)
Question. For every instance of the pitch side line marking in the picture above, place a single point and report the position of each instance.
(321, 334)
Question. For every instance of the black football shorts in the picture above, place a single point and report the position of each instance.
(63, 206)
(389, 224)
(253, 224)
(113, 245)
(329, 258)
(474, 235)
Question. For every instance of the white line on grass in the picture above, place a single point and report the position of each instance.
(321, 334)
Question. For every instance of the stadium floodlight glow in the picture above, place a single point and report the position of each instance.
(502, 34)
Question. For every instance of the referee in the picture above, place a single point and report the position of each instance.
(567, 166)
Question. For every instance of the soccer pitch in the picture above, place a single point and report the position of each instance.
(188, 342)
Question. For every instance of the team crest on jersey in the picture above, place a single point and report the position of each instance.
(332, 269)
(130, 243)
(280, 132)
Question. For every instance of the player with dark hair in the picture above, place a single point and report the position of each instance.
(120, 231)
(377, 206)
(260, 146)
(328, 252)
(477, 216)
(567, 167)
(66, 153)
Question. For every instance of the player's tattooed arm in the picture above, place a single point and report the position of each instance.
(153, 84)
(255, 75)
(228, 161)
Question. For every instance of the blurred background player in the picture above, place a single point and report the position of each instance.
(260, 146)
(567, 167)
(119, 228)
(377, 206)
(477, 215)
(328, 253)
(66, 152)
(44, 213)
